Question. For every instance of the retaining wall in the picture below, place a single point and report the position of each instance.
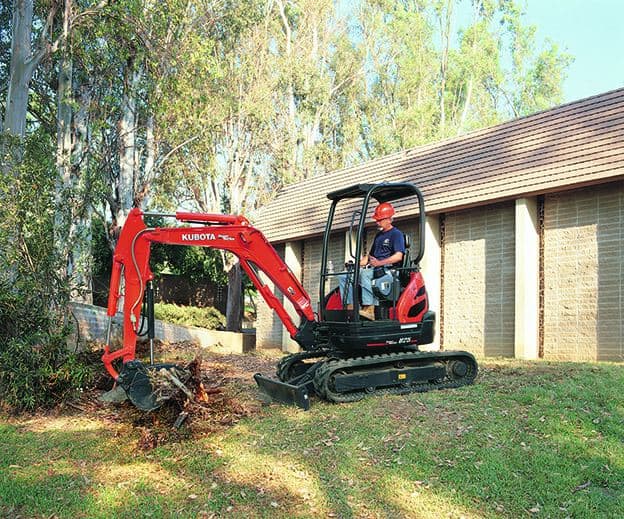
(92, 324)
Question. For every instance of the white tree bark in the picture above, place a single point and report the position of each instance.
(446, 13)
(290, 93)
(127, 145)
(23, 64)
(80, 231)
(464, 115)
(63, 209)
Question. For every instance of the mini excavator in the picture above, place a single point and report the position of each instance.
(344, 356)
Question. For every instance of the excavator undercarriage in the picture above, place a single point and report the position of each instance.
(332, 376)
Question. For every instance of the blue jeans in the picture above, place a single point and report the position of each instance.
(366, 278)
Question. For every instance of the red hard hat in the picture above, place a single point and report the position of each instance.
(382, 211)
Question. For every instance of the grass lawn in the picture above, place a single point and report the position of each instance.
(529, 439)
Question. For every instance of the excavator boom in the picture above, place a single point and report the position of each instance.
(226, 232)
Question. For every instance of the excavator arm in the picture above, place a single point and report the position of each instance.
(227, 232)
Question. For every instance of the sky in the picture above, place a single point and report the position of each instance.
(590, 30)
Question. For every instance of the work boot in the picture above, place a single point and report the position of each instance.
(368, 312)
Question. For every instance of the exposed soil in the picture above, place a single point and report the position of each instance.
(224, 389)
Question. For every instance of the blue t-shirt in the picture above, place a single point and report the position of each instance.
(387, 243)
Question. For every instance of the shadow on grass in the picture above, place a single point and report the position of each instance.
(95, 474)
(526, 437)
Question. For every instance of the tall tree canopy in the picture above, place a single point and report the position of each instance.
(214, 104)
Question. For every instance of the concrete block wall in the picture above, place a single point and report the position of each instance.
(293, 256)
(312, 264)
(92, 324)
(583, 270)
(268, 326)
(312, 250)
(479, 281)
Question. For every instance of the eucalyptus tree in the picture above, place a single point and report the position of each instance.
(259, 98)
(25, 57)
(214, 113)
(426, 80)
(320, 69)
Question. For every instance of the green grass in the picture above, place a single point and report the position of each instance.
(527, 440)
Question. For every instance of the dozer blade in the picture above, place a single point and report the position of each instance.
(283, 392)
(149, 387)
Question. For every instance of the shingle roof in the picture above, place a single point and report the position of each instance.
(576, 144)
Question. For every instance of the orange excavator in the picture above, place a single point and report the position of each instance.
(344, 356)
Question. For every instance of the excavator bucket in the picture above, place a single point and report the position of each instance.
(285, 393)
(149, 387)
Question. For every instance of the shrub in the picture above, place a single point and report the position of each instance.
(208, 317)
(36, 371)
(36, 367)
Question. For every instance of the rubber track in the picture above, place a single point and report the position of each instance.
(284, 365)
(323, 373)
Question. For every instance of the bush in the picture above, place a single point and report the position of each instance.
(36, 371)
(209, 317)
(36, 368)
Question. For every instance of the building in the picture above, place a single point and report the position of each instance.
(524, 233)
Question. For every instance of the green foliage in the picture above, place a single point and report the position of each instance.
(36, 368)
(209, 317)
(100, 248)
(194, 263)
(37, 371)
(424, 82)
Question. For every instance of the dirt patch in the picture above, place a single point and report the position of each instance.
(225, 389)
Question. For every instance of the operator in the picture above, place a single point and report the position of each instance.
(387, 251)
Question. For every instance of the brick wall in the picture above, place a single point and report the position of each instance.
(583, 257)
(479, 270)
(268, 325)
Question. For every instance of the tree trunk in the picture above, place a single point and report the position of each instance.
(150, 148)
(16, 107)
(63, 205)
(21, 69)
(80, 259)
(445, 28)
(72, 219)
(464, 115)
(234, 312)
(127, 145)
(80, 232)
(291, 153)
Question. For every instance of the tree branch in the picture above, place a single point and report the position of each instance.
(176, 148)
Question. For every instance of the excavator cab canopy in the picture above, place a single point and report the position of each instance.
(371, 195)
(386, 192)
